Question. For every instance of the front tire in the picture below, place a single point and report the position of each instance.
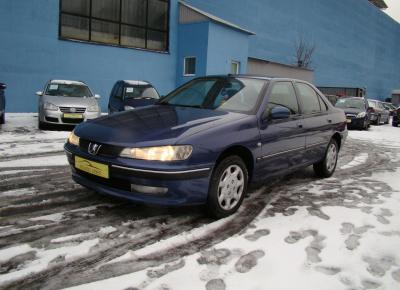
(327, 166)
(228, 187)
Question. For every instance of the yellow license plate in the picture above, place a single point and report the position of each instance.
(348, 120)
(73, 116)
(92, 167)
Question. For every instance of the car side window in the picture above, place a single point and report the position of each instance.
(282, 94)
(323, 105)
(309, 99)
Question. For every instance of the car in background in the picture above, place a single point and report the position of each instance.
(128, 95)
(379, 114)
(390, 107)
(205, 141)
(65, 102)
(2, 103)
(333, 99)
(356, 111)
(396, 117)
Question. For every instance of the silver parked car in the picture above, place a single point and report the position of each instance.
(378, 112)
(66, 102)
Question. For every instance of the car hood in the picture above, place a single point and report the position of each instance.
(139, 102)
(352, 111)
(69, 101)
(153, 125)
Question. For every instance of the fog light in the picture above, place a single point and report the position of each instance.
(148, 189)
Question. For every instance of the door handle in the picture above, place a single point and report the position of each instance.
(300, 125)
(329, 120)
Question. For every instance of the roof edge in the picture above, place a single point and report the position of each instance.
(217, 19)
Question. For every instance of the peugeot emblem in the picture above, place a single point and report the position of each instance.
(93, 148)
(73, 110)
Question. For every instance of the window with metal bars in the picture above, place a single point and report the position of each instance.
(128, 23)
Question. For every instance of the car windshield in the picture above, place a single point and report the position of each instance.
(68, 90)
(141, 92)
(228, 94)
(350, 103)
(372, 104)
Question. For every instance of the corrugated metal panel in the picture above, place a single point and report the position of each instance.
(187, 15)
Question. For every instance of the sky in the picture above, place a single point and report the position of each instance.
(394, 9)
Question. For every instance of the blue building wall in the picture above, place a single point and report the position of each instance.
(214, 45)
(192, 42)
(224, 46)
(31, 54)
(357, 45)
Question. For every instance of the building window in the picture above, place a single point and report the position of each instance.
(235, 67)
(128, 23)
(189, 66)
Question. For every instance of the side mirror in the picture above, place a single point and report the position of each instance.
(39, 93)
(279, 112)
(96, 96)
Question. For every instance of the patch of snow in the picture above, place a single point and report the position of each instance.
(56, 160)
(358, 160)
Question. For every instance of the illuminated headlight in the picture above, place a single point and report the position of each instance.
(73, 139)
(361, 115)
(162, 153)
(94, 108)
(50, 107)
(127, 108)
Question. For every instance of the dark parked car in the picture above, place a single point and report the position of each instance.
(204, 142)
(390, 107)
(2, 103)
(356, 110)
(378, 112)
(128, 95)
(396, 117)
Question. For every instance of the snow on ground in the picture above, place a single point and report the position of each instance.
(301, 233)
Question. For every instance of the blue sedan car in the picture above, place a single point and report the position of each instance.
(207, 140)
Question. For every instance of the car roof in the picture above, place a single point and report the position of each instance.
(67, 82)
(136, 82)
(256, 76)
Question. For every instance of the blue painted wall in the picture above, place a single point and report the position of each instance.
(356, 44)
(31, 54)
(214, 45)
(192, 42)
(224, 46)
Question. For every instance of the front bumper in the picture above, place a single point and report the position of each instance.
(182, 186)
(358, 123)
(57, 117)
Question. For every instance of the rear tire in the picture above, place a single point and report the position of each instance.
(327, 166)
(228, 186)
(378, 121)
(3, 118)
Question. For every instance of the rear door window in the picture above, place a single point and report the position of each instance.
(309, 98)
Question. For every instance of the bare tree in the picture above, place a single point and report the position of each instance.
(304, 52)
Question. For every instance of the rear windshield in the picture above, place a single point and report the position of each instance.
(68, 90)
(141, 92)
(372, 104)
(350, 103)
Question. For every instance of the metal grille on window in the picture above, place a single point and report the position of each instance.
(128, 23)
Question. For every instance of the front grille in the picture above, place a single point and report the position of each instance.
(51, 119)
(71, 121)
(72, 110)
(105, 150)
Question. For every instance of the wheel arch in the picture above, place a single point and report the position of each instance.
(244, 153)
(338, 139)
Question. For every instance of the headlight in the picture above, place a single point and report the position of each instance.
(50, 106)
(94, 108)
(162, 153)
(73, 139)
(361, 115)
(127, 108)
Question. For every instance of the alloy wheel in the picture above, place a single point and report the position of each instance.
(230, 187)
